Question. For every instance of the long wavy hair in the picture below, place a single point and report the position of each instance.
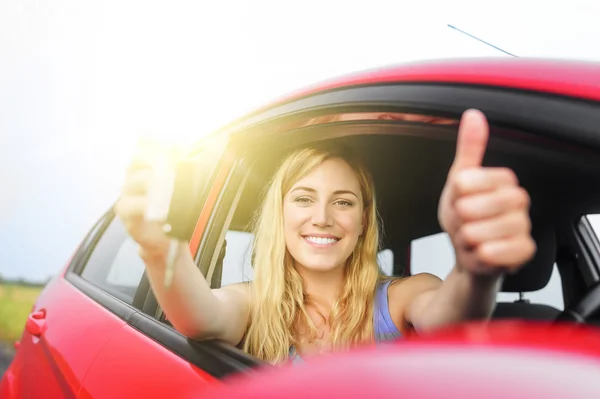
(278, 301)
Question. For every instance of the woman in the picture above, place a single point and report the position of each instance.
(317, 285)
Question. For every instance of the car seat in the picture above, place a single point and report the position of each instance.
(534, 276)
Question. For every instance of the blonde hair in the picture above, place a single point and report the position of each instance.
(278, 299)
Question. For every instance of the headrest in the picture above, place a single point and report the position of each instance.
(536, 274)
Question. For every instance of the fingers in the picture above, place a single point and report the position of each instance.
(491, 204)
(479, 180)
(131, 207)
(138, 163)
(137, 182)
(480, 193)
(505, 226)
(512, 252)
(471, 142)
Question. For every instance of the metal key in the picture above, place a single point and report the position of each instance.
(171, 262)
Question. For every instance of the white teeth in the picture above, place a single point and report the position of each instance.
(321, 240)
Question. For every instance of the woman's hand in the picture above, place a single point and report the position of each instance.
(131, 208)
(483, 209)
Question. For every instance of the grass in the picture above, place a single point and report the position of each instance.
(16, 302)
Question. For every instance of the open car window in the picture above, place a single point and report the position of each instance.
(434, 254)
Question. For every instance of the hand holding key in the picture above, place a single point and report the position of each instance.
(144, 203)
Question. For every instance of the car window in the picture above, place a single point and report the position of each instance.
(385, 259)
(238, 252)
(114, 264)
(237, 262)
(434, 254)
(595, 222)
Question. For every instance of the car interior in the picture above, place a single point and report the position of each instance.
(409, 171)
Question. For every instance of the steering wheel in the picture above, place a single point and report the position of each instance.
(500, 360)
(584, 309)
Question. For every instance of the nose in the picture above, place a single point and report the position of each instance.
(321, 216)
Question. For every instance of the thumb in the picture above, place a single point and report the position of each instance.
(471, 142)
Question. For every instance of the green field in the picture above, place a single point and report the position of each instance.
(15, 305)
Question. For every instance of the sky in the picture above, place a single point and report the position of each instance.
(80, 81)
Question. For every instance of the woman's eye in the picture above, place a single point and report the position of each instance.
(303, 200)
(344, 202)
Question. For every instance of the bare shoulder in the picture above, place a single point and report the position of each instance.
(413, 285)
(403, 291)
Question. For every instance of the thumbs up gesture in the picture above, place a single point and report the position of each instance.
(483, 209)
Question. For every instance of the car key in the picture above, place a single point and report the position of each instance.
(160, 191)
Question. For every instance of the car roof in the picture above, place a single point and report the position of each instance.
(568, 78)
(561, 77)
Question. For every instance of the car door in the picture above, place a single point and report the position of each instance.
(63, 334)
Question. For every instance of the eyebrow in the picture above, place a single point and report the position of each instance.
(337, 192)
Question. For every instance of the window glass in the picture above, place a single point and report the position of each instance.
(434, 254)
(595, 222)
(114, 264)
(386, 261)
(237, 261)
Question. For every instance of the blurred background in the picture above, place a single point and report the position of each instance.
(80, 81)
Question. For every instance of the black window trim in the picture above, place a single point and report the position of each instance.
(559, 117)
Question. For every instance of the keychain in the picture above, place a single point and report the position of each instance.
(171, 262)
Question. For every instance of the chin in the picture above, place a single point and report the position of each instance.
(322, 267)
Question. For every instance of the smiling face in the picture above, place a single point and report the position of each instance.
(323, 216)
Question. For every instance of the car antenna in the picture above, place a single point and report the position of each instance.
(482, 41)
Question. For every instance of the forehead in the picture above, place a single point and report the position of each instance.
(333, 174)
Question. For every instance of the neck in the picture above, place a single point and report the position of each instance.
(322, 288)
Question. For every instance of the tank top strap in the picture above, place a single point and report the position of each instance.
(385, 329)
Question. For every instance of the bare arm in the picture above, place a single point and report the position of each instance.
(192, 307)
(461, 297)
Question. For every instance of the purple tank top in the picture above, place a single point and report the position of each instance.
(385, 329)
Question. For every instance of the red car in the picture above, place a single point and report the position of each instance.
(96, 331)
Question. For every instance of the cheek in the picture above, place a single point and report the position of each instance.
(292, 220)
(351, 223)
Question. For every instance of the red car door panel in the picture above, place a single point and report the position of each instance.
(132, 365)
(63, 334)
